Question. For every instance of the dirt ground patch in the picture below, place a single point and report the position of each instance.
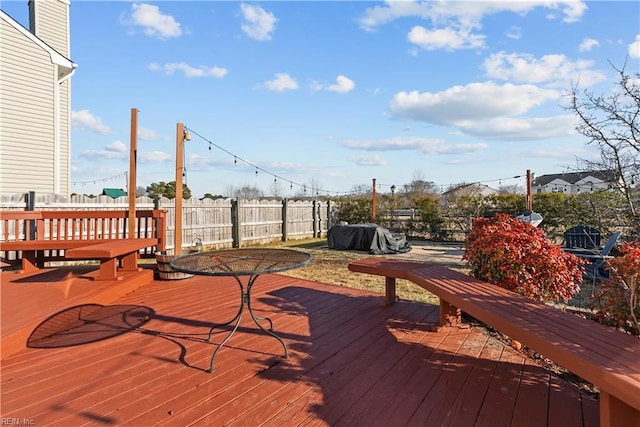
(330, 266)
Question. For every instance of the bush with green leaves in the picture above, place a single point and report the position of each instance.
(517, 256)
(354, 210)
(431, 220)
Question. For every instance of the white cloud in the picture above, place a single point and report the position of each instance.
(634, 48)
(554, 70)
(469, 13)
(343, 85)
(286, 167)
(188, 70)
(83, 119)
(588, 44)
(154, 23)
(282, 82)
(258, 23)
(154, 157)
(514, 33)
(486, 110)
(421, 144)
(147, 134)
(445, 38)
(573, 10)
(115, 150)
(393, 144)
(369, 160)
(475, 101)
(521, 128)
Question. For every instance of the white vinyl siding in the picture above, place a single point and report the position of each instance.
(51, 24)
(27, 79)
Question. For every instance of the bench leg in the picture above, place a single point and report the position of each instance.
(29, 261)
(108, 269)
(450, 315)
(614, 412)
(130, 262)
(389, 291)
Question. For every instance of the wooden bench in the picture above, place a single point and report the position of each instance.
(115, 255)
(601, 355)
(36, 237)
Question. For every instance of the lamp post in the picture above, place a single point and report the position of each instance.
(181, 136)
(393, 204)
(133, 159)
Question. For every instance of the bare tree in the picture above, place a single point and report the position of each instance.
(419, 186)
(611, 123)
(511, 189)
(276, 188)
(245, 192)
(361, 189)
(312, 189)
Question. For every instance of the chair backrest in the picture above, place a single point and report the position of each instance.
(611, 243)
(582, 236)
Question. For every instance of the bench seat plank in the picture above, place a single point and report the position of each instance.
(30, 247)
(601, 355)
(111, 253)
(46, 245)
(552, 325)
(109, 249)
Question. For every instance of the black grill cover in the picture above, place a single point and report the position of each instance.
(366, 237)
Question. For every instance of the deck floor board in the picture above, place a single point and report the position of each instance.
(104, 354)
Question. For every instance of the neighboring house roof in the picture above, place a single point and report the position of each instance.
(473, 188)
(56, 58)
(113, 192)
(574, 177)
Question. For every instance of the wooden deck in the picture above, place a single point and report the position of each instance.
(134, 353)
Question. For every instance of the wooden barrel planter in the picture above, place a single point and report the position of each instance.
(165, 272)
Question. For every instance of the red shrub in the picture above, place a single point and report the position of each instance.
(617, 301)
(517, 256)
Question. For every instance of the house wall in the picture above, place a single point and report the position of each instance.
(35, 108)
(27, 114)
(49, 21)
(561, 186)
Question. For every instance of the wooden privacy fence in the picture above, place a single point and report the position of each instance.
(219, 223)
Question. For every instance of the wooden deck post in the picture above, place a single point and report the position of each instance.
(614, 412)
(389, 291)
(450, 315)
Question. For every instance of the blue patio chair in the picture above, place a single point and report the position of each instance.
(595, 270)
(583, 237)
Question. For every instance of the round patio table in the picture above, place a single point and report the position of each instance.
(250, 262)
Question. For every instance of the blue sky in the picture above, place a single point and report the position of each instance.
(330, 95)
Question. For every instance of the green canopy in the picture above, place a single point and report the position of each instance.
(113, 192)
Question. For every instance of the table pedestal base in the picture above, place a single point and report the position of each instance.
(245, 298)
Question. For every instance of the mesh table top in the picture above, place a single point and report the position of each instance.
(241, 262)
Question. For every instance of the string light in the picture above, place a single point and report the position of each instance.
(95, 181)
(317, 191)
(237, 158)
